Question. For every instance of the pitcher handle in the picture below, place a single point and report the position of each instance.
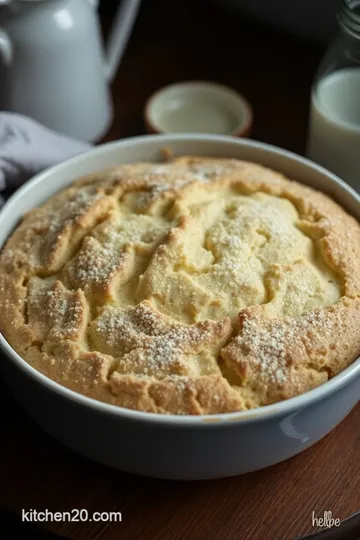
(6, 49)
(119, 35)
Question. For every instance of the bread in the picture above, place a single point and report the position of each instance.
(196, 286)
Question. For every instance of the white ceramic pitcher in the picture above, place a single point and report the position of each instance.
(52, 64)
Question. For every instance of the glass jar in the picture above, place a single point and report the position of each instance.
(334, 130)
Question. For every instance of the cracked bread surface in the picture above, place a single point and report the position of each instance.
(196, 286)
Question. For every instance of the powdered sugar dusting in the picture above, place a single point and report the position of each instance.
(74, 209)
(111, 250)
(160, 345)
(96, 266)
(204, 173)
(175, 178)
(50, 305)
(268, 342)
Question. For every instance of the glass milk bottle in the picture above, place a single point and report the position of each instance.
(334, 130)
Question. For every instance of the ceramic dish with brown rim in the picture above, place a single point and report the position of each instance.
(199, 107)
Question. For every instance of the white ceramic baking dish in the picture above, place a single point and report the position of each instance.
(179, 447)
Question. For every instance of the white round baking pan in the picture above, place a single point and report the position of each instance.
(167, 446)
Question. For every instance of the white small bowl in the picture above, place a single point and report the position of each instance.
(198, 107)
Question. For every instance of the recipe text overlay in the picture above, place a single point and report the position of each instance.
(73, 515)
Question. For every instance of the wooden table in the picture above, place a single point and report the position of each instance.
(175, 41)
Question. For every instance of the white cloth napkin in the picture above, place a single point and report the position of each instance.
(27, 147)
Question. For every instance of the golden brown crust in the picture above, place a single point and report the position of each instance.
(198, 286)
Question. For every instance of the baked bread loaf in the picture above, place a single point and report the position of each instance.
(196, 286)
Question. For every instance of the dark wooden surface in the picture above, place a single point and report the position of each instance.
(175, 41)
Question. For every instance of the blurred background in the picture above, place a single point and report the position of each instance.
(267, 50)
(309, 19)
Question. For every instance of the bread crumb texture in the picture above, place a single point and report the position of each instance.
(196, 286)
